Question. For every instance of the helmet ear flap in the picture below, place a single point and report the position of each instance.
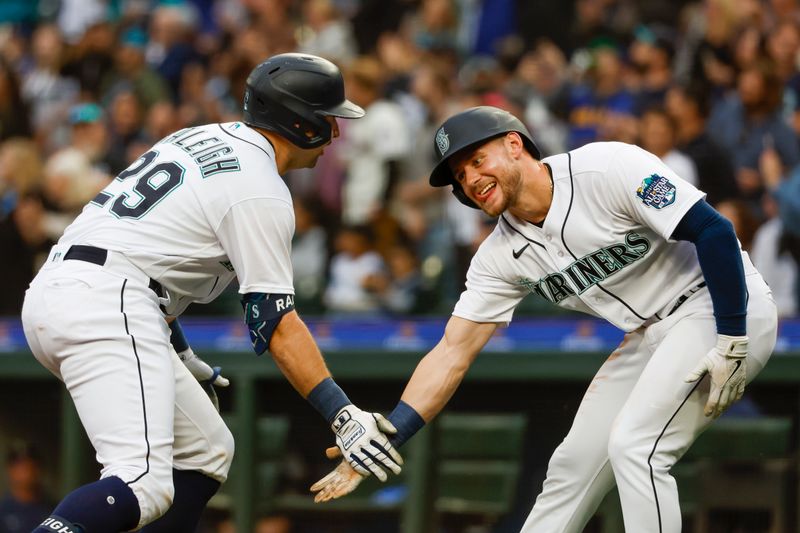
(459, 193)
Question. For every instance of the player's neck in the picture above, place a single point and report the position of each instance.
(281, 147)
(536, 196)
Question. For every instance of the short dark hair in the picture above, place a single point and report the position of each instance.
(700, 93)
(19, 450)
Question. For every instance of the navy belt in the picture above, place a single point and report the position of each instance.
(685, 296)
(98, 256)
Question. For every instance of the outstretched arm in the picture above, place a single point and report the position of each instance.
(433, 383)
(440, 372)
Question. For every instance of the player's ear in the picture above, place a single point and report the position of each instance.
(514, 144)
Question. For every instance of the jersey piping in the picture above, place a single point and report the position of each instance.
(141, 383)
(523, 235)
(564, 242)
(245, 140)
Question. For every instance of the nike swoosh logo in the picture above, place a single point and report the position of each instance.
(518, 253)
(738, 364)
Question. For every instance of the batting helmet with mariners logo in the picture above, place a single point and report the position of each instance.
(473, 126)
(291, 94)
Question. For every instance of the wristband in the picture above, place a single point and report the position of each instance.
(176, 338)
(328, 398)
(407, 421)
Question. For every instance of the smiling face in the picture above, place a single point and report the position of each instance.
(488, 174)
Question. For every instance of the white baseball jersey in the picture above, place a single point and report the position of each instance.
(202, 206)
(604, 247)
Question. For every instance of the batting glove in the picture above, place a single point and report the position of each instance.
(361, 438)
(726, 363)
(341, 481)
(207, 376)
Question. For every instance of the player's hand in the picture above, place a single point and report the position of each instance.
(361, 438)
(207, 376)
(727, 365)
(341, 481)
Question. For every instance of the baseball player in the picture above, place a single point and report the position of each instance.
(202, 206)
(609, 230)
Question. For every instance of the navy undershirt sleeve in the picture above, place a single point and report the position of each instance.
(176, 337)
(721, 262)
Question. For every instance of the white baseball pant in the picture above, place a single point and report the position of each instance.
(638, 417)
(99, 330)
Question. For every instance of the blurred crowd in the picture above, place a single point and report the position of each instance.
(712, 87)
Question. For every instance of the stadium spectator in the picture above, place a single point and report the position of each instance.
(749, 121)
(309, 256)
(131, 72)
(24, 506)
(745, 221)
(372, 147)
(353, 262)
(651, 54)
(657, 135)
(70, 182)
(90, 60)
(688, 105)
(541, 81)
(327, 32)
(600, 107)
(771, 256)
(400, 288)
(14, 112)
(90, 135)
(169, 47)
(22, 235)
(48, 93)
(124, 123)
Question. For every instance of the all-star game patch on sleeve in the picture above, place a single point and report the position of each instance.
(650, 192)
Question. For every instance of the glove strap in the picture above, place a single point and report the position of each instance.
(732, 346)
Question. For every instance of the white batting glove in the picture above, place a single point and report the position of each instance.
(201, 370)
(727, 365)
(361, 438)
(339, 482)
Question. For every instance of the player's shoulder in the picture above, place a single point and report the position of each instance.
(594, 157)
(499, 243)
(599, 152)
(236, 136)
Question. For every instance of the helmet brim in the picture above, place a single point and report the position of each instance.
(346, 109)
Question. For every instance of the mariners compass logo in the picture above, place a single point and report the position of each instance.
(442, 141)
(656, 191)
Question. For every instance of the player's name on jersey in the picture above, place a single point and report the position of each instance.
(206, 149)
(590, 269)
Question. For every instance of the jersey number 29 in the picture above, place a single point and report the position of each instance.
(153, 184)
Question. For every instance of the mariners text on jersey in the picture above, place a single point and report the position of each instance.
(590, 269)
(205, 150)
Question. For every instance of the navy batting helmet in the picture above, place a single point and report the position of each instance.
(291, 94)
(473, 126)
